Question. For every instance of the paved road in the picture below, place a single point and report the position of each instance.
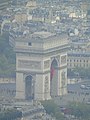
(75, 93)
(7, 89)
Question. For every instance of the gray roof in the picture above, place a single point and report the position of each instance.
(79, 54)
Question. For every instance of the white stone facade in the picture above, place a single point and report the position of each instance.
(34, 58)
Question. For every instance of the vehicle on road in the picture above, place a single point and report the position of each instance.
(86, 87)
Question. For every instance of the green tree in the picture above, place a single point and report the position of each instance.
(7, 56)
(53, 109)
(49, 106)
(80, 110)
(83, 72)
(10, 114)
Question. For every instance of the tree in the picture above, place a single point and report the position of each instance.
(80, 110)
(53, 109)
(10, 114)
(7, 57)
(49, 106)
(83, 72)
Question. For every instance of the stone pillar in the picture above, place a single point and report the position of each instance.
(20, 86)
(39, 87)
(47, 86)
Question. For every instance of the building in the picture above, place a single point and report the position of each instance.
(79, 55)
(21, 17)
(41, 64)
(4, 4)
(78, 59)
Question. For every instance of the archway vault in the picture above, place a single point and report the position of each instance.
(53, 78)
(29, 87)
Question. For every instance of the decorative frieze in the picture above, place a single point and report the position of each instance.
(29, 64)
(46, 64)
(63, 78)
(63, 59)
(46, 85)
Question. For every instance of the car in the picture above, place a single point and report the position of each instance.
(83, 86)
(87, 87)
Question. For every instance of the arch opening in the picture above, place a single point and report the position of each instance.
(54, 78)
(29, 88)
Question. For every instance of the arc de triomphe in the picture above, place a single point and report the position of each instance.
(41, 65)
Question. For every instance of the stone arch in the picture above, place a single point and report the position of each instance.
(54, 78)
(29, 87)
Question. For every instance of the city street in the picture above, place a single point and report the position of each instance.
(75, 93)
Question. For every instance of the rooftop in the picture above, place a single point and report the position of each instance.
(43, 34)
(79, 54)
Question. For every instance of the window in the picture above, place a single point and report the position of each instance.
(84, 60)
(87, 61)
(70, 64)
(29, 44)
(83, 65)
(70, 60)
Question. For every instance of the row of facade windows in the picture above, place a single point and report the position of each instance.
(77, 65)
(76, 60)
